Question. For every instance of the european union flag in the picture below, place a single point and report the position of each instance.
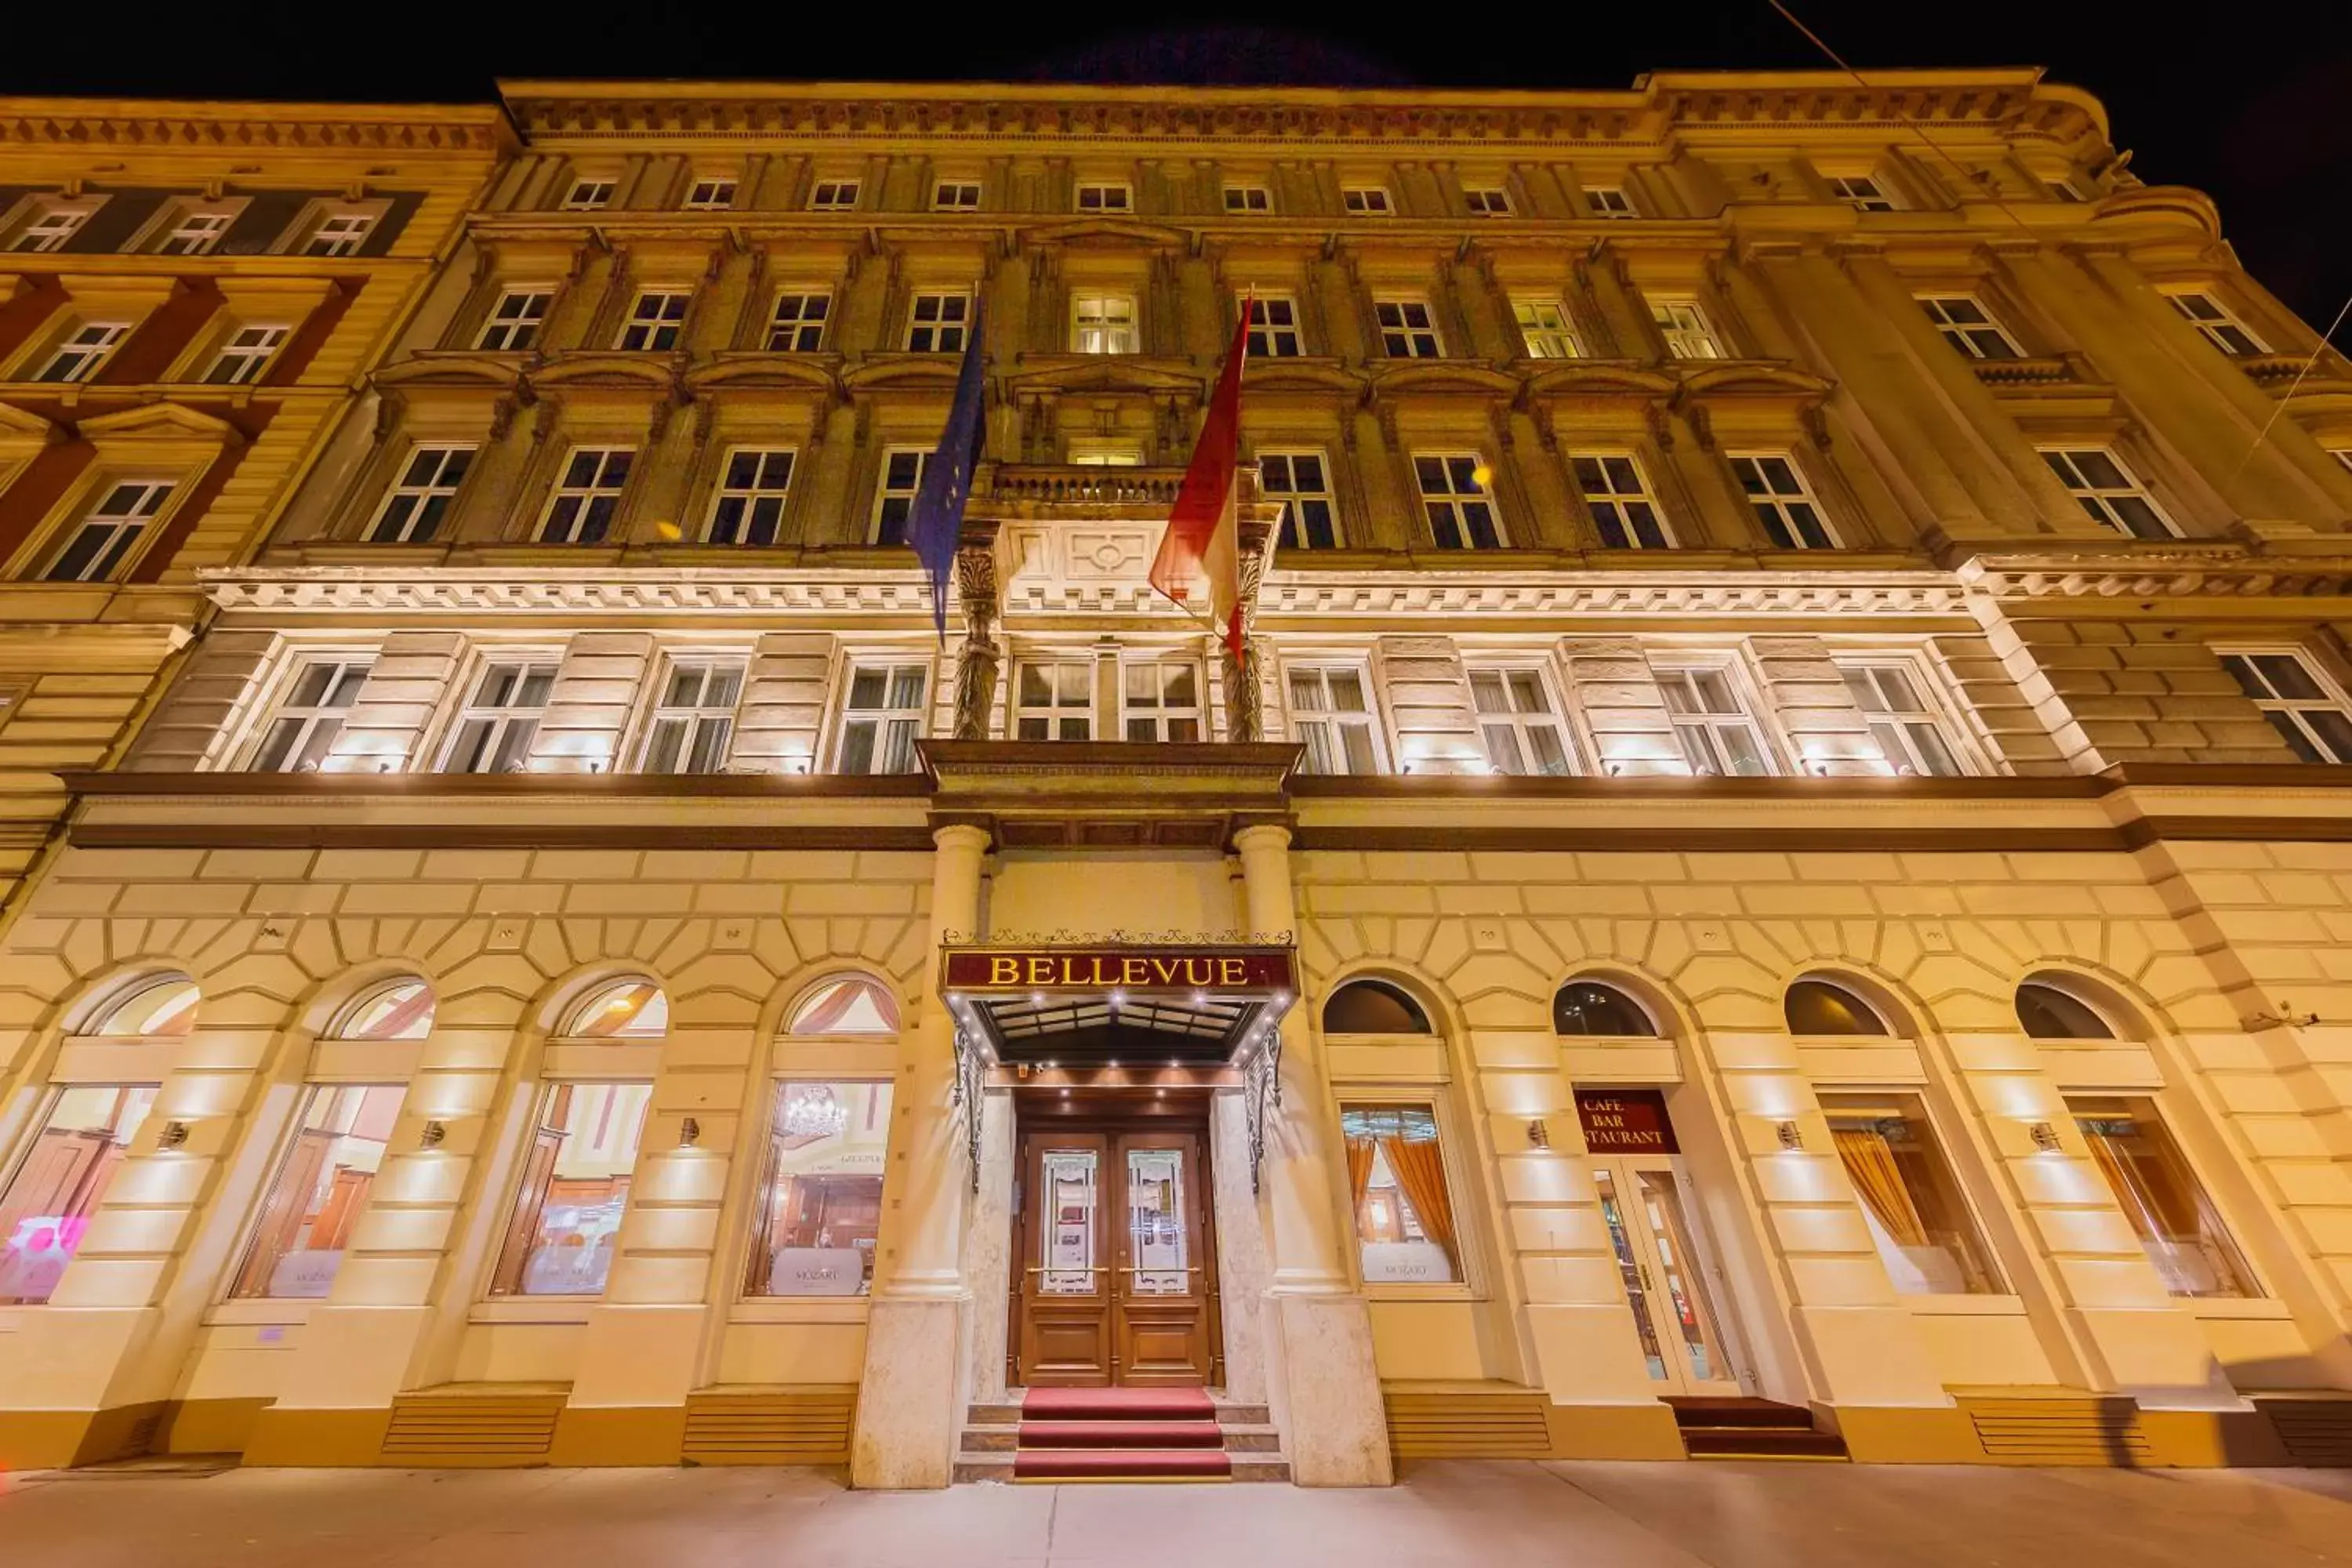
(936, 523)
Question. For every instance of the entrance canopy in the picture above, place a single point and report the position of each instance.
(1095, 1005)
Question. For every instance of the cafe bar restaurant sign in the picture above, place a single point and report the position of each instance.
(1625, 1122)
(1226, 970)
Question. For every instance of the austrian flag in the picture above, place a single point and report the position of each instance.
(1203, 545)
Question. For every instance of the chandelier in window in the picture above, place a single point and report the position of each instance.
(814, 1112)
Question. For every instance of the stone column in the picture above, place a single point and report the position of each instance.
(1321, 1380)
(912, 1391)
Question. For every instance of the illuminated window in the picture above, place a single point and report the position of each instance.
(626, 1009)
(60, 1181)
(1103, 324)
(847, 1005)
(2170, 1211)
(396, 1010)
(321, 1187)
(1546, 330)
(1405, 1233)
(1331, 713)
(303, 729)
(882, 718)
(694, 720)
(159, 1007)
(1717, 735)
(1904, 719)
(1161, 699)
(1684, 327)
(499, 721)
(1913, 1207)
(821, 1190)
(1523, 732)
(749, 506)
(1054, 699)
(576, 1175)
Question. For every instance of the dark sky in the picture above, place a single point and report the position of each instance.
(2252, 101)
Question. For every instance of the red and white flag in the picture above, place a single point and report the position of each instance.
(1203, 544)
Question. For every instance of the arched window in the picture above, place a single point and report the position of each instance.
(622, 1010)
(1819, 1007)
(1374, 1007)
(397, 1010)
(1589, 1007)
(847, 1005)
(2048, 1013)
(160, 1005)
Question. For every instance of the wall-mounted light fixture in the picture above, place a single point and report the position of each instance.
(689, 1134)
(1791, 1135)
(2045, 1137)
(1538, 1135)
(174, 1134)
(431, 1137)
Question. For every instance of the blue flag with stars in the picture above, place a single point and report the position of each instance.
(936, 523)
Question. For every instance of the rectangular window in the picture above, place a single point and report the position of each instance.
(710, 195)
(2221, 328)
(1523, 732)
(2303, 708)
(1054, 700)
(1301, 483)
(1969, 327)
(1331, 715)
(108, 532)
(1718, 737)
(575, 1186)
(833, 197)
(752, 489)
(1683, 325)
(894, 497)
(1609, 201)
(245, 356)
(2169, 1210)
(1160, 701)
(654, 321)
(1455, 499)
(1408, 330)
(303, 730)
(1253, 200)
(1545, 329)
(51, 226)
(1405, 1233)
(1861, 193)
(1105, 197)
(956, 196)
(937, 323)
(581, 511)
(497, 724)
(85, 349)
(340, 234)
(821, 1191)
(59, 1182)
(882, 718)
(2108, 491)
(1904, 719)
(1487, 201)
(588, 195)
(695, 719)
(412, 513)
(196, 231)
(1368, 201)
(1091, 454)
(1619, 498)
(320, 1189)
(1775, 487)
(515, 321)
(1274, 327)
(1103, 324)
(798, 325)
(1910, 1201)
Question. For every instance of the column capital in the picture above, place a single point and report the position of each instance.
(1261, 836)
(961, 836)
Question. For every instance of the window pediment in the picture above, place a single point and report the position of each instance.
(22, 434)
(883, 371)
(1107, 233)
(1588, 378)
(612, 369)
(1302, 373)
(159, 431)
(1439, 375)
(1103, 372)
(452, 367)
(767, 370)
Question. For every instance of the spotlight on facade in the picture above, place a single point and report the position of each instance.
(2045, 1137)
(435, 1132)
(1791, 1135)
(689, 1134)
(174, 1136)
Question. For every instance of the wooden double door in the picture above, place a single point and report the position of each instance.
(1114, 1258)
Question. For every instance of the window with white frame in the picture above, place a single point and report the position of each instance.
(1252, 200)
(1969, 327)
(198, 229)
(882, 718)
(318, 700)
(1861, 193)
(694, 718)
(1160, 699)
(956, 196)
(1274, 327)
(1105, 197)
(654, 321)
(798, 325)
(2108, 491)
(1054, 699)
(108, 532)
(514, 322)
(1368, 201)
(1775, 488)
(1618, 496)
(1331, 715)
(1091, 452)
(1487, 201)
(495, 727)
(1712, 724)
(246, 355)
(587, 193)
(52, 224)
(1300, 483)
(1609, 201)
(1904, 718)
(749, 506)
(587, 495)
(2221, 328)
(2304, 707)
(894, 495)
(340, 232)
(1102, 323)
(1408, 329)
(84, 350)
(1545, 329)
(711, 194)
(412, 513)
(1455, 499)
(1684, 327)
(937, 323)
(833, 197)
(1522, 729)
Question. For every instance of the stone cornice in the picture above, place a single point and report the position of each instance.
(2158, 571)
(169, 126)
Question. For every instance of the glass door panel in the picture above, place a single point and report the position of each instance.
(1158, 1251)
(1683, 1290)
(1637, 1290)
(1070, 1207)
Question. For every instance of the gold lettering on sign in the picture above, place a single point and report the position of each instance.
(1133, 972)
(1004, 971)
(1041, 971)
(1232, 970)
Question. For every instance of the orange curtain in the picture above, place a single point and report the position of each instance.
(1360, 1177)
(1421, 1173)
(1871, 1165)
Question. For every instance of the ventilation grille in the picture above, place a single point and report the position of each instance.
(471, 1429)
(2084, 1431)
(1467, 1424)
(771, 1426)
(2314, 1431)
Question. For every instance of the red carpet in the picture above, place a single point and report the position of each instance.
(1119, 1434)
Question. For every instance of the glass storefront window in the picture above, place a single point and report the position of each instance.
(847, 1005)
(820, 1196)
(1917, 1217)
(1396, 1183)
(575, 1186)
(400, 1010)
(628, 1010)
(2176, 1220)
(307, 1219)
(61, 1181)
(165, 1006)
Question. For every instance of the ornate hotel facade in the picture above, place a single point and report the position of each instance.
(1773, 877)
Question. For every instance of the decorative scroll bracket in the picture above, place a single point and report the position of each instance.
(1261, 1089)
(967, 1096)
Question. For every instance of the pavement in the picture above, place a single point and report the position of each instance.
(1717, 1514)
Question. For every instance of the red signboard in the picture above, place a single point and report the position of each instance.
(1211, 969)
(1625, 1122)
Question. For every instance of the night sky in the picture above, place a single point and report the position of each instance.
(2251, 102)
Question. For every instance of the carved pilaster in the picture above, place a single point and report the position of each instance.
(977, 590)
(1244, 690)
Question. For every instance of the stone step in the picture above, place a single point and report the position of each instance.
(1229, 1414)
(986, 1465)
(1005, 1437)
